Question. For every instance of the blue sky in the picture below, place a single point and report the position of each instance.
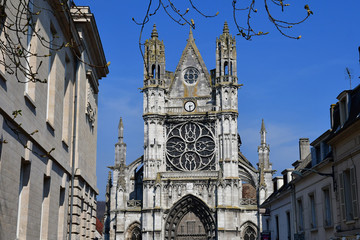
(289, 83)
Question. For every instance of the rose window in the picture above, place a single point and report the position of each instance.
(191, 75)
(190, 146)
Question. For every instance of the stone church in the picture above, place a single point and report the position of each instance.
(192, 182)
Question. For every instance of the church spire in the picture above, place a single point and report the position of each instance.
(265, 166)
(120, 146)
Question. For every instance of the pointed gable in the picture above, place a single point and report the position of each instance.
(191, 77)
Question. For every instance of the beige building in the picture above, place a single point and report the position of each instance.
(320, 198)
(48, 149)
(344, 140)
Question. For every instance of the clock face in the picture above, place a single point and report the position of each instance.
(189, 106)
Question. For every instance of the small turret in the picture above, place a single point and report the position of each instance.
(226, 57)
(154, 56)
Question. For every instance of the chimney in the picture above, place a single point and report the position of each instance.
(304, 148)
(278, 182)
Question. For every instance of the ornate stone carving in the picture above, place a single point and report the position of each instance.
(190, 146)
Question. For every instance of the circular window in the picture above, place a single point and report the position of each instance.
(191, 75)
(190, 146)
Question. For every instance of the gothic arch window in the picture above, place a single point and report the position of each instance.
(231, 69)
(133, 232)
(226, 68)
(153, 71)
(249, 234)
(158, 72)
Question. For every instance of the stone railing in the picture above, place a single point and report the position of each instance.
(133, 203)
(152, 81)
(174, 109)
(187, 175)
(248, 201)
(226, 78)
(181, 109)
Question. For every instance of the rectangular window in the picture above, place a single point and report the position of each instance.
(277, 227)
(45, 207)
(51, 81)
(23, 201)
(67, 103)
(343, 110)
(313, 222)
(327, 208)
(190, 227)
(288, 222)
(62, 213)
(300, 215)
(348, 195)
(30, 59)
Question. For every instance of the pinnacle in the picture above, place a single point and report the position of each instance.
(121, 129)
(226, 27)
(121, 125)
(262, 126)
(154, 33)
(191, 37)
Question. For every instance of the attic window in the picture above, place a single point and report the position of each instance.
(343, 105)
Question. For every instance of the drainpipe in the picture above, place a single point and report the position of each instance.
(77, 65)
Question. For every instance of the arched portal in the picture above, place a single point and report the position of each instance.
(190, 218)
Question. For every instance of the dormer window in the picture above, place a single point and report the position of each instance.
(343, 107)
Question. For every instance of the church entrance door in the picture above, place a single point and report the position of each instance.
(190, 219)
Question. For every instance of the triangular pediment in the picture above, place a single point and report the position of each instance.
(191, 77)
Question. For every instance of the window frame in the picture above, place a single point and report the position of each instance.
(325, 220)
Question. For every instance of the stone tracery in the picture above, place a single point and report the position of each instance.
(190, 146)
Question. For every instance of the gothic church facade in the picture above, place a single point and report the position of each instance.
(192, 182)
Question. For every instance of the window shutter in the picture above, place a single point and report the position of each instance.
(342, 196)
(354, 192)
